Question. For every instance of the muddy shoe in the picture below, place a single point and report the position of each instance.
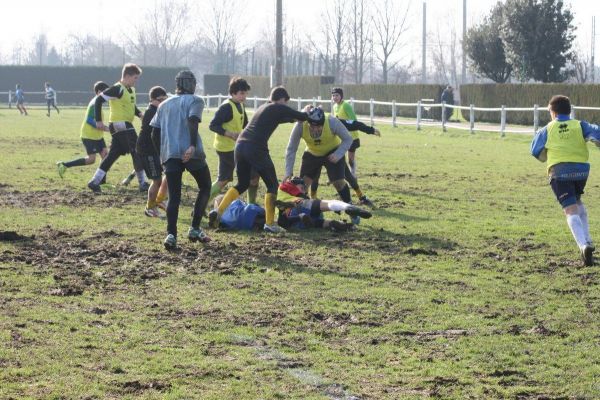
(170, 242)
(591, 245)
(198, 235)
(213, 219)
(61, 169)
(94, 187)
(339, 226)
(162, 205)
(276, 229)
(354, 211)
(587, 255)
(153, 212)
(364, 200)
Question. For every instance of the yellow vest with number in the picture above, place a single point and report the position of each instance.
(123, 109)
(322, 144)
(566, 143)
(235, 125)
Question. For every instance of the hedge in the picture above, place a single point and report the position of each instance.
(527, 95)
(79, 78)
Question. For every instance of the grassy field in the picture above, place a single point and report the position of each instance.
(466, 283)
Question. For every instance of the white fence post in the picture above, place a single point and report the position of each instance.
(394, 113)
(572, 112)
(351, 102)
(444, 116)
(314, 102)
(10, 99)
(419, 115)
(472, 118)
(220, 100)
(372, 110)
(207, 101)
(503, 121)
(255, 102)
(299, 104)
(536, 118)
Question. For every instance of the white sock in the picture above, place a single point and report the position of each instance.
(337, 205)
(141, 177)
(584, 221)
(98, 176)
(577, 229)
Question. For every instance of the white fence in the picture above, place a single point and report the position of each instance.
(420, 108)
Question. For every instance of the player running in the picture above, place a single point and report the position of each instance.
(562, 145)
(121, 99)
(91, 135)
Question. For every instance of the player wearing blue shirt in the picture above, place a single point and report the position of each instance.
(562, 145)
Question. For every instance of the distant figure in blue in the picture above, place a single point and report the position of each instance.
(50, 98)
(448, 98)
(562, 145)
(20, 100)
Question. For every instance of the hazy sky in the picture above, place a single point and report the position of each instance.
(22, 20)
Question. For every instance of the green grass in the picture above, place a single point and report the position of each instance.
(466, 283)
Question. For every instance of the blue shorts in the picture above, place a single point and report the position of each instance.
(93, 146)
(567, 192)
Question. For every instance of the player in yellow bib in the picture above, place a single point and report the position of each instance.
(562, 145)
(92, 137)
(229, 121)
(121, 99)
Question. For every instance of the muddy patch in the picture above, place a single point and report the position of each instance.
(106, 259)
(12, 236)
(110, 198)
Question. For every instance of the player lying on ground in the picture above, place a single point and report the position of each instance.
(297, 210)
(562, 145)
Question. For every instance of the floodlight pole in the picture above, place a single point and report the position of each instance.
(279, 43)
(593, 53)
(424, 50)
(464, 37)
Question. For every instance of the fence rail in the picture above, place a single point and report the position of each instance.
(420, 107)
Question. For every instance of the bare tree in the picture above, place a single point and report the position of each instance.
(222, 30)
(334, 30)
(359, 37)
(445, 55)
(162, 32)
(582, 69)
(390, 25)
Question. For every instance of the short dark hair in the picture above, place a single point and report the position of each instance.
(279, 93)
(156, 92)
(131, 69)
(100, 87)
(238, 84)
(560, 104)
(338, 90)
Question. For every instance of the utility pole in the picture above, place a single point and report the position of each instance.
(279, 44)
(424, 50)
(464, 37)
